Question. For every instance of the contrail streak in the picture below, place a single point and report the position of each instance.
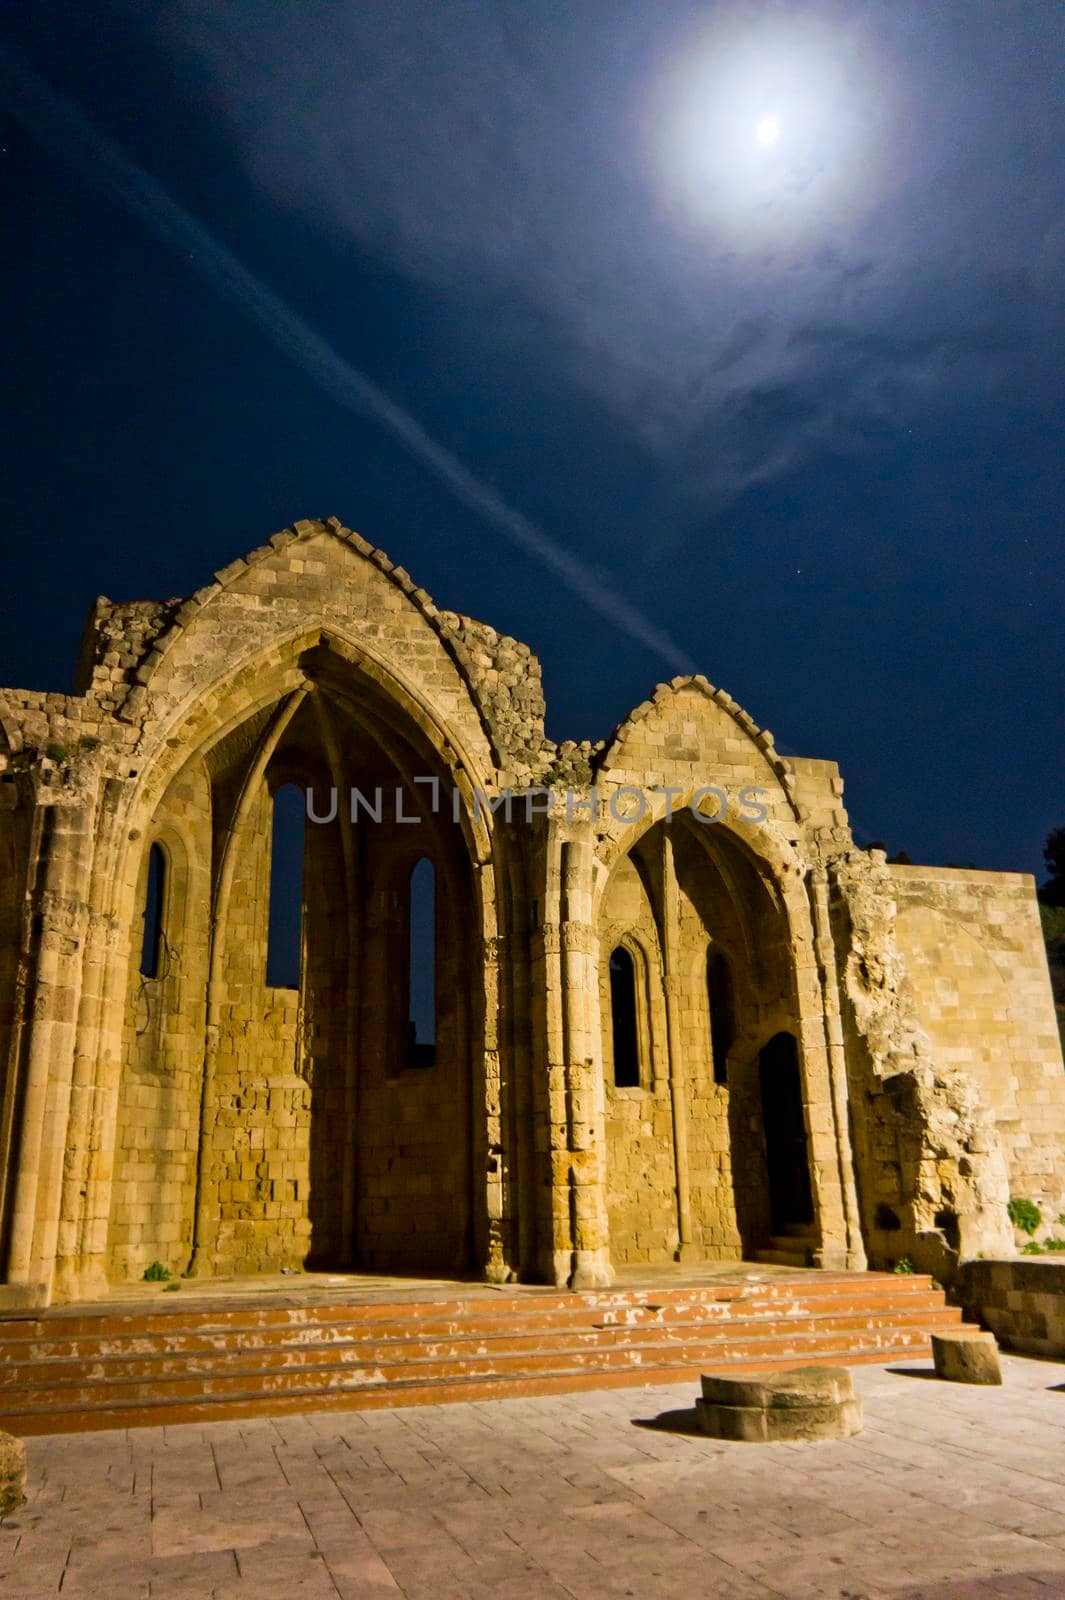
(62, 129)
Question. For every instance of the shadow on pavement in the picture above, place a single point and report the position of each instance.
(680, 1421)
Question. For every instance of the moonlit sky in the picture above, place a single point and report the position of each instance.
(755, 310)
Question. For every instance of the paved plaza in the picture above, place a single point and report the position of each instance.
(950, 1493)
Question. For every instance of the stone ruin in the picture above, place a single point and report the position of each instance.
(549, 1009)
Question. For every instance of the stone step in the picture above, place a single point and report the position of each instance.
(124, 1368)
(782, 1256)
(852, 1289)
(164, 1358)
(328, 1373)
(51, 1338)
(63, 1418)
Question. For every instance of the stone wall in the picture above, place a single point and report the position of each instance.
(932, 1175)
(738, 884)
(976, 961)
(640, 1171)
(1021, 1302)
(154, 1183)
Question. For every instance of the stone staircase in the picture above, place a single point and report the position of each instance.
(793, 1246)
(74, 1369)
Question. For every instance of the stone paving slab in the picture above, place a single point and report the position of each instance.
(950, 1493)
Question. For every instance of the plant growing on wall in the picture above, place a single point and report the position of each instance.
(1024, 1214)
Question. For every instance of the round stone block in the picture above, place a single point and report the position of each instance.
(966, 1355)
(769, 1424)
(803, 1403)
(798, 1386)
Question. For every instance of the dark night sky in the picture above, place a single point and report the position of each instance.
(802, 406)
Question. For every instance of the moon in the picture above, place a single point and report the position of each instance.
(767, 130)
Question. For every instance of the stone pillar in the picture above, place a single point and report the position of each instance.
(688, 1249)
(490, 1130)
(81, 1254)
(516, 1034)
(63, 849)
(837, 1066)
(547, 1085)
(833, 1249)
(585, 1110)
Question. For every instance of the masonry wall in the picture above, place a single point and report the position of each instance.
(640, 1170)
(417, 1145)
(163, 1044)
(1021, 1302)
(977, 964)
(320, 1143)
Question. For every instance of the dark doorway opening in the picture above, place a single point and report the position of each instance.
(790, 1195)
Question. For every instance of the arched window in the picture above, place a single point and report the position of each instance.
(152, 939)
(284, 940)
(421, 965)
(623, 1019)
(719, 998)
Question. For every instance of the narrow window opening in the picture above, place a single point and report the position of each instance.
(421, 984)
(623, 1019)
(284, 940)
(720, 1000)
(787, 1157)
(152, 938)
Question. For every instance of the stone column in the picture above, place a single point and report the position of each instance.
(688, 1248)
(837, 1066)
(547, 1078)
(818, 1101)
(63, 851)
(81, 1252)
(585, 1110)
(490, 1132)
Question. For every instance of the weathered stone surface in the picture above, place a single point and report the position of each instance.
(1021, 1301)
(192, 1113)
(966, 1356)
(12, 1473)
(767, 1425)
(802, 1403)
(796, 1386)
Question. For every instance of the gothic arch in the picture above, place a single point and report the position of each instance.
(323, 668)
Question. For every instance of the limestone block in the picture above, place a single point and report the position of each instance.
(964, 1355)
(805, 1403)
(12, 1473)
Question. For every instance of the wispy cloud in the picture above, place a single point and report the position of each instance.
(511, 156)
(61, 128)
